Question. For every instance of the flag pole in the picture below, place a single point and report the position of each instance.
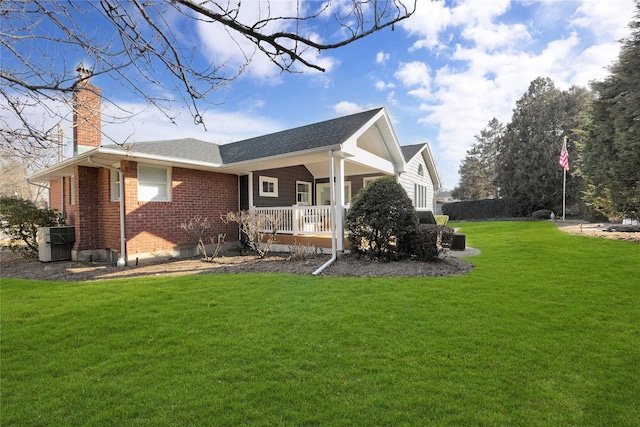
(564, 192)
(564, 162)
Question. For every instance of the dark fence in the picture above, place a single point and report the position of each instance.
(484, 209)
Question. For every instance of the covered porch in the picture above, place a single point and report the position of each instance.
(303, 225)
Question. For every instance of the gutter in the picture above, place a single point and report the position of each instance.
(332, 218)
(123, 247)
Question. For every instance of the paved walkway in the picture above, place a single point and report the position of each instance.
(467, 252)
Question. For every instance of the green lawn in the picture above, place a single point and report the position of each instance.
(544, 332)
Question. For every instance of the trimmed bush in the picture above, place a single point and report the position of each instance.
(541, 214)
(381, 220)
(20, 220)
(428, 241)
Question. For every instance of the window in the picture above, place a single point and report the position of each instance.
(368, 180)
(420, 170)
(303, 191)
(114, 181)
(421, 196)
(154, 184)
(268, 186)
(72, 189)
(323, 194)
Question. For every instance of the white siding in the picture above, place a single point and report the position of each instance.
(410, 178)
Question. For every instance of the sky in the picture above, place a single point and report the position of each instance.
(442, 74)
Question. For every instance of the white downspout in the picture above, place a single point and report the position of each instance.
(123, 247)
(332, 218)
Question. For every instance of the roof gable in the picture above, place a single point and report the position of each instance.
(409, 151)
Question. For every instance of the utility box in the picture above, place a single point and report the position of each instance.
(459, 242)
(55, 243)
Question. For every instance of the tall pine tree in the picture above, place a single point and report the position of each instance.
(528, 153)
(478, 169)
(611, 148)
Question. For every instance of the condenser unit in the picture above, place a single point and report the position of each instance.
(55, 243)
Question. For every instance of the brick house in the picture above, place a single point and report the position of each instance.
(128, 201)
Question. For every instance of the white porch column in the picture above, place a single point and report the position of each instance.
(340, 203)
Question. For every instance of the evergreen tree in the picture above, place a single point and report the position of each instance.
(528, 153)
(611, 150)
(478, 169)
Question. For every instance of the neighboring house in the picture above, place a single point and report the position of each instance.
(442, 198)
(129, 201)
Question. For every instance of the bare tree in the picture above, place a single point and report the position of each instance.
(159, 51)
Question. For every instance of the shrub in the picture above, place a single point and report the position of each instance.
(196, 228)
(429, 241)
(20, 220)
(381, 220)
(257, 228)
(541, 214)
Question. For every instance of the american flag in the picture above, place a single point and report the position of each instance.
(564, 156)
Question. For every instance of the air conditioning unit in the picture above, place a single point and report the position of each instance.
(55, 243)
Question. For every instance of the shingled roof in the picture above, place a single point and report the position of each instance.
(186, 148)
(316, 135)
(408, 151)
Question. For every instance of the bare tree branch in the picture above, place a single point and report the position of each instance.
(154, 50)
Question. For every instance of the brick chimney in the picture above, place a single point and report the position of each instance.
(86, 113)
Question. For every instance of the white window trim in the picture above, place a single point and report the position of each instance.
(368, 180)
(308, 184)
(268, 179)
(166, 183)
(114, 185)
(72, 189)
(347, 194)
(421, 196)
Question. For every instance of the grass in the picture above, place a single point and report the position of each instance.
(544, 332)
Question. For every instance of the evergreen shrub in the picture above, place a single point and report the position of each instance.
(428, 241)
(20, 220)
(381, 220)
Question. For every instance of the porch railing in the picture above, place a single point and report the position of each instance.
(298, 220)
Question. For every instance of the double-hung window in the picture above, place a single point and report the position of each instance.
(303, 192)
(154, 183)
(268, 186)
(114, 185)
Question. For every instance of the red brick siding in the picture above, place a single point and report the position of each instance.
(287, 178)
(109, 212)
(87, 116)
(155, 226)
(55, 195)
(86, 213)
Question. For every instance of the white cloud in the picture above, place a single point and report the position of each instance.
(380, 85)
(429, 19)
(223, 45)
(150, 125)
(344, 108)
(382, 57)
(608, 20)
(414, 74)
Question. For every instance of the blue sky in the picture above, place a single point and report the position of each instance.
(443, 74)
